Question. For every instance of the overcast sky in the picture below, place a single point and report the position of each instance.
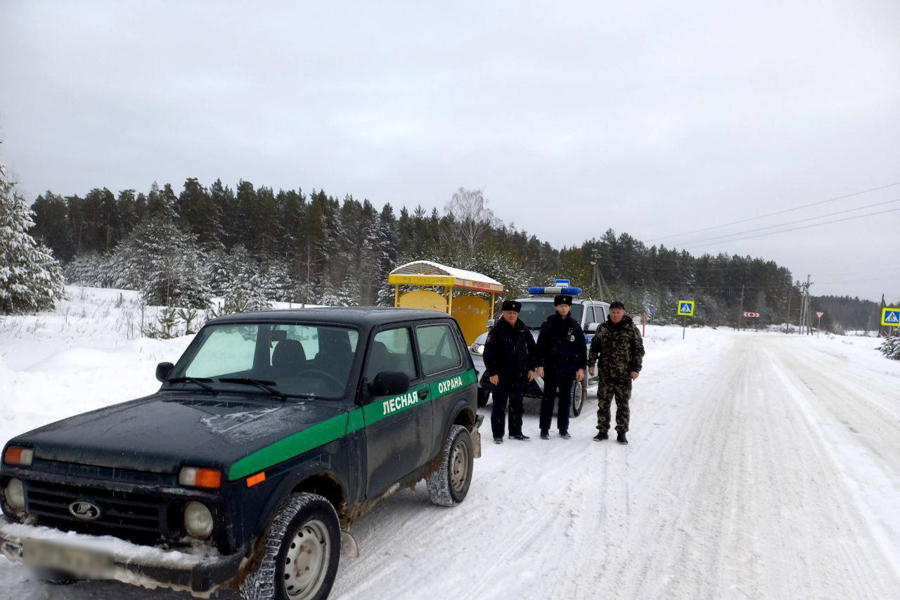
(654, 118)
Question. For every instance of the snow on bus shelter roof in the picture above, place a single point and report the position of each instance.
(425, 272)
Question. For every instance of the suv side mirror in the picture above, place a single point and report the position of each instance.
(491, 323)
(389, 383)
(592, 327)
(163, 370)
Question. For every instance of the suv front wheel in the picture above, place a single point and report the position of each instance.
(450, 483)
(302, 549)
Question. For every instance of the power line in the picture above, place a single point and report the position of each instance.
(749, 237)
(780, 212)
(840, 212)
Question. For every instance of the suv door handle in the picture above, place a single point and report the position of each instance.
(423, 393)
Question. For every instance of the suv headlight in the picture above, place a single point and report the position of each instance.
(198, 521)
(15, 494)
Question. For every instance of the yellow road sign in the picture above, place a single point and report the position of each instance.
(890, 317)
(685, 308)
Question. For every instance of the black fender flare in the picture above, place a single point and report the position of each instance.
(317, 467)
(462, 405)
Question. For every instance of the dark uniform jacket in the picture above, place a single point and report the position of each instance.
(562, 347)
(618, 348)
(510, 352)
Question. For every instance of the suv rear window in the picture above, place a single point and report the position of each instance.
(438, 348)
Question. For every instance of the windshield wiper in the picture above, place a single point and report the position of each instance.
(201, 381)
(260, 383)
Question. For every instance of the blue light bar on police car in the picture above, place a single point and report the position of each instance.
(554, 290)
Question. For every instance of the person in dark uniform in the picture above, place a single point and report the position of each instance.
(563, 351)
(510, 358)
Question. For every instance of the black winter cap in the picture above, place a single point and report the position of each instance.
(512, 305)
(562, 299)
(617, 304)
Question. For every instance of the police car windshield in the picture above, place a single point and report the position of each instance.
(290, 359)
(533, 313)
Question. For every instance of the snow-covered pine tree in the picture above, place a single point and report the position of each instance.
(30, 278)
(164, 263)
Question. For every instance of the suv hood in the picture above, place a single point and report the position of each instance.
(163, 432)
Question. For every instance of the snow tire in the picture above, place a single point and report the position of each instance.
(578, 397)
(295, 518)
(449, 484)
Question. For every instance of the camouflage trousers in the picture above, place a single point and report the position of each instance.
(606, 390)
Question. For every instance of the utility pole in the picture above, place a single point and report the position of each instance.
(805, 318)
(597, 278)
(741, 312)
(807, 311)
(787, 321)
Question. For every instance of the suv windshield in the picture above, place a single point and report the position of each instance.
(534, 313)
(291, 359)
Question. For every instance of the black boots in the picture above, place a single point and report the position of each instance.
(621, 438)
(601, 436)
(498, 440)
(565, 435)
(545, 435)
(520, 436)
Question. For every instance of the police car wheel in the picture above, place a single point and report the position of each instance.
(577, 398)
(302, 548)
(449, 484)
(54, 577)
(483, 396)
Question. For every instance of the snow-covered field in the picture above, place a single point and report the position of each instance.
(761, 465)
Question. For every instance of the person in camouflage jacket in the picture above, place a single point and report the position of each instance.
(618, 351)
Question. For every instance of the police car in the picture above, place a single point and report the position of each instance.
(535, 310)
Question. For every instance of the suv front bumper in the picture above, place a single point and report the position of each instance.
(199, 572)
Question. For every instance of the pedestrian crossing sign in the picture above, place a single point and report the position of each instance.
(890, 317)
(685, 308)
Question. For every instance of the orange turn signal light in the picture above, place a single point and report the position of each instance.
(256, 479)
(18, 456)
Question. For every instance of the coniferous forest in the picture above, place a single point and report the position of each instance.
(180, 248)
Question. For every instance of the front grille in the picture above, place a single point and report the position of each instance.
(134, 516)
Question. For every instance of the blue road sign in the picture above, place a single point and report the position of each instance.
(890, 317)
(685, 308)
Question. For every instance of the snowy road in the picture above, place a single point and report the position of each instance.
(761, 466)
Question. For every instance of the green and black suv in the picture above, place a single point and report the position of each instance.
(271, 435)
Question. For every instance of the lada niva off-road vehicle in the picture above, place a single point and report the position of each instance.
(268, 438)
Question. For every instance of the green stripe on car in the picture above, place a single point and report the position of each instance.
(339, 426)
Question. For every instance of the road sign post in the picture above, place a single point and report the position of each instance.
(819, 314)
(685, 310)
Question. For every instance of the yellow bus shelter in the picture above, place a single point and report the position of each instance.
(471, 312)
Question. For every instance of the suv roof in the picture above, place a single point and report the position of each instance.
(369, 316)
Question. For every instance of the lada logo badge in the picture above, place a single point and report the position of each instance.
(85, 511)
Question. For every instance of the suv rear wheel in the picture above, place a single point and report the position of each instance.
(449, 485)
(578, 396)
(302, 550)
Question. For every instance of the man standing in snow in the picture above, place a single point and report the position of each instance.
(563, 352)
(619, 351)
(510, 357)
